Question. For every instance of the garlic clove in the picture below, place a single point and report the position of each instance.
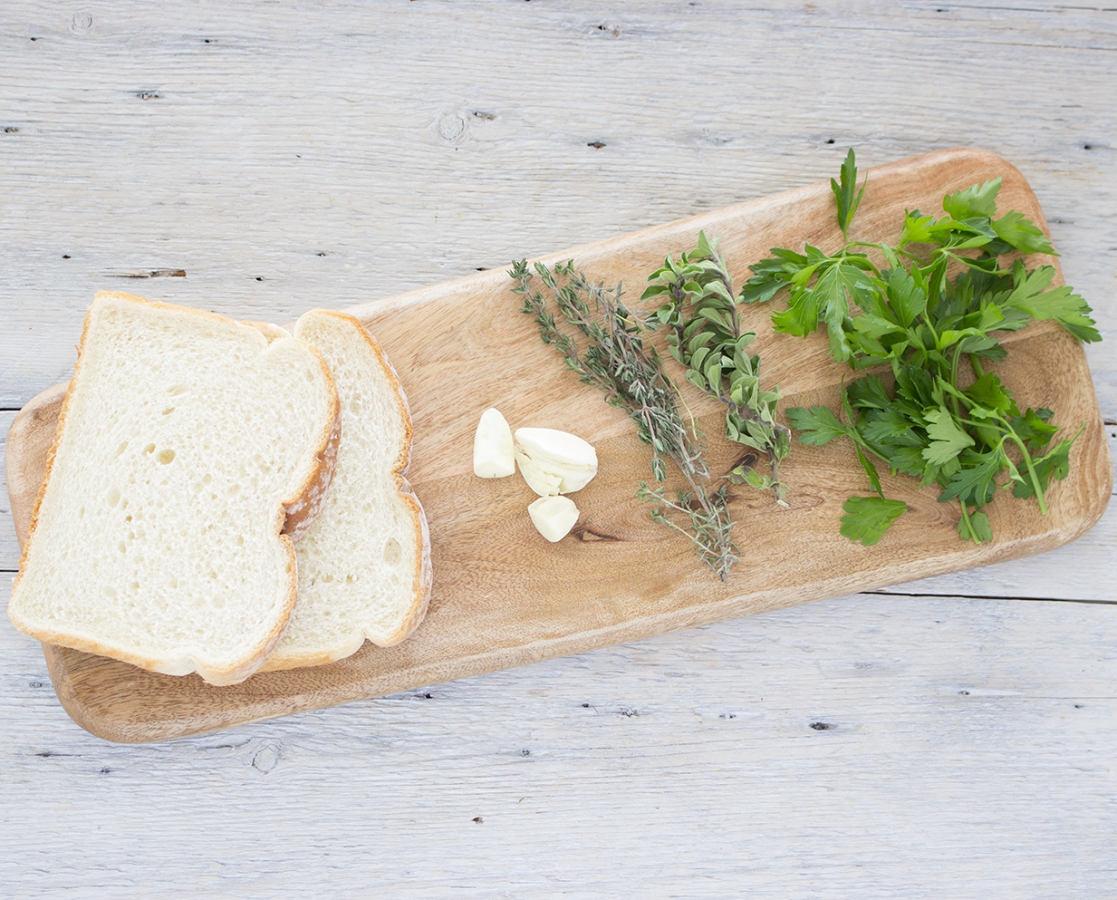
(493, 455)
(557, 453)
(543, 482)
(553, 517)
(561, 447)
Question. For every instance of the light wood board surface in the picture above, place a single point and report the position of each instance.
(412, 143)
(502, 596)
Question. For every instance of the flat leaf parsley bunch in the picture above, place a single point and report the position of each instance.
(932, 309)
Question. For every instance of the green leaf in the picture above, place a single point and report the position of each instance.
(867, 518)
(988, 392)
(947, 438)
(1021, 234)
(887, 425)
(818, 425)
(1055, 465)
(917, 228)
(982, 530)
(1034, 429)
(974, 483)
(907, 299)
(1060, 303)
(868, 393)
(801, 316)
(979, 200)
(846, 193)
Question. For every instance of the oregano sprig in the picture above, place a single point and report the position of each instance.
(698, 309)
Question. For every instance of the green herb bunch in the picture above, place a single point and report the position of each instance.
(699, 310)
(934, 308)
(616, 359)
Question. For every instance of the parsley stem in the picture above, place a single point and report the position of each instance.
(969, 525)
(1015, 438)
(954, 379)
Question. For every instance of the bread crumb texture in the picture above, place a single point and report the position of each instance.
(364, 569)
(157, 538)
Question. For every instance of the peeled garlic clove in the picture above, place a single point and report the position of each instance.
(556, 446)
(493, 455)
(553, 517)
(544, 483)
(558, 453)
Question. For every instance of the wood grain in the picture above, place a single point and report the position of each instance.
(498, 599)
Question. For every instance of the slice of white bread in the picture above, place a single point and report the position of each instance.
(184, 442)
(364, 564)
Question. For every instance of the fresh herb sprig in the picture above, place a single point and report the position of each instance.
(617, 360)
(940, 300)
(703, 333)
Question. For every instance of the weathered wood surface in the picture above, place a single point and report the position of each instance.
(416, 142)
(865, 747)
(501, 596)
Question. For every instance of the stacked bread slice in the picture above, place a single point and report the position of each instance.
(193, 452)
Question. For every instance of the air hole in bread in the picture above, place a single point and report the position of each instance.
(113, 497)
(207, 478)
(176, 389)
(166, 456)
(393, 552)
(150, 448)
(123, 446)
(168, 410)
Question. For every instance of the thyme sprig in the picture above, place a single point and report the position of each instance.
(617, 360)
(704, 334)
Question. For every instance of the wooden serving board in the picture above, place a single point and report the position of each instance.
(502, 595)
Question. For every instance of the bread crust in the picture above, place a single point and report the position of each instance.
(423, 574)
(307, 495)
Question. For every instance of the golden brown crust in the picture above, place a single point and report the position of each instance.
(301, 513)
(307, 495)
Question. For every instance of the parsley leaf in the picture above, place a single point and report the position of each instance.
(947, 438)
(818, 425)
(867, 518)
(846, 193)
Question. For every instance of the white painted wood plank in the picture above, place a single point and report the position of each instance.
(410, 143)
(968, 753)
(9, 546)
